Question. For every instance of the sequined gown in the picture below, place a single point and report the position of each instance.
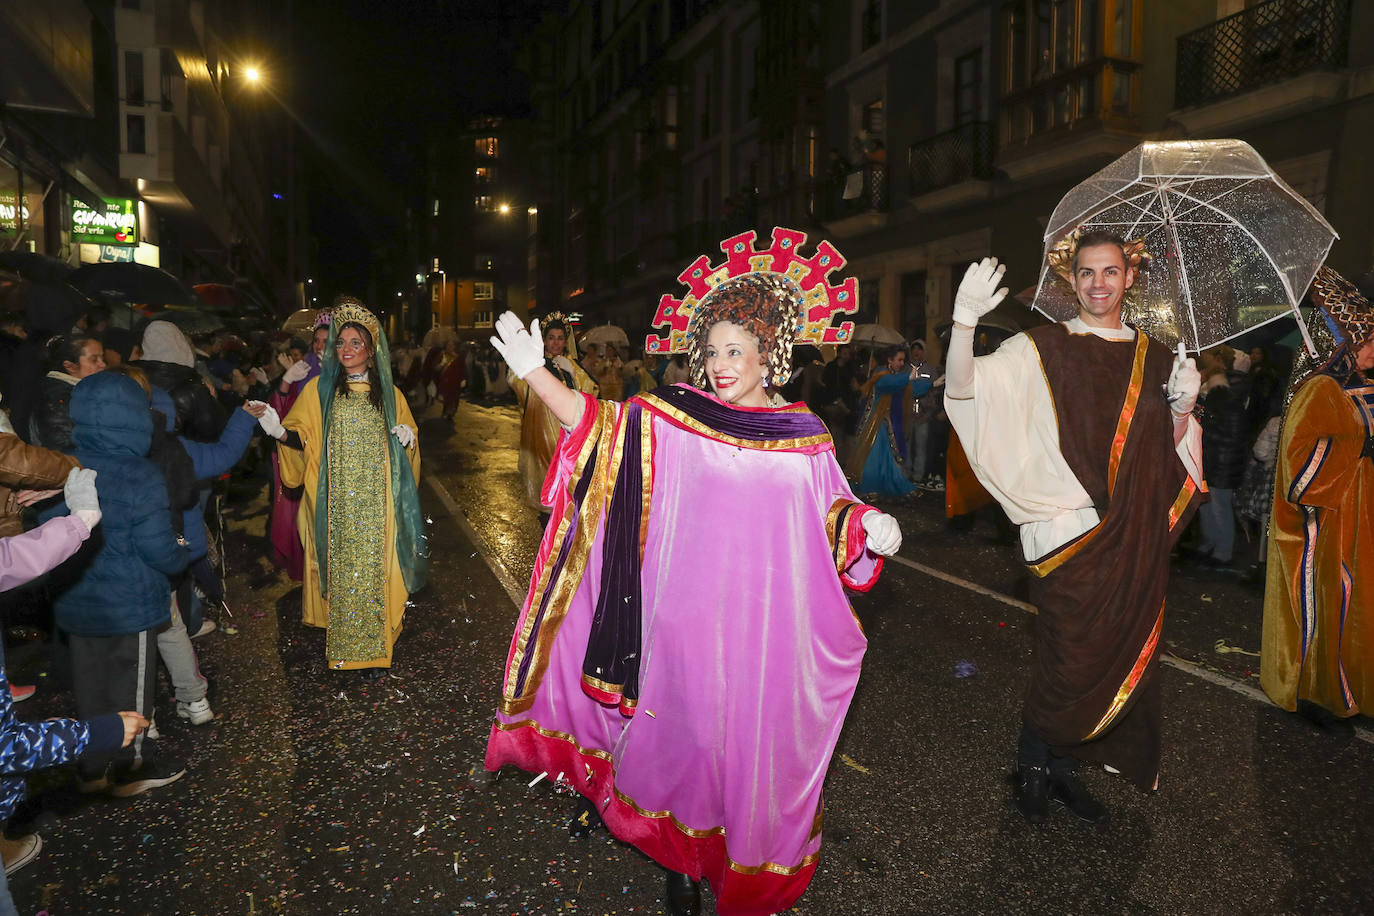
(364, 612)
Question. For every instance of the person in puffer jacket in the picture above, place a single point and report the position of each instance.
(169, 362)
(113, 596)
(179, 456)
(29, 746)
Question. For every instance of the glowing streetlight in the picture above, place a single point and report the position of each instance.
(252, 74)
(504, 208)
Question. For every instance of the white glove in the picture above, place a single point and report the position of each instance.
(884, 535)
(271, 424)
(297, 371)
(523, 350)
(978, 293)
(1184, 383)
(404, 435)
(258, 375)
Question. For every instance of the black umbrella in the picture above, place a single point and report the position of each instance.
(193, 322)
(49, 308)
(34, 266)
(130, 282)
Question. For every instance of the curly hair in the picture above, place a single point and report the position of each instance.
(767, 305)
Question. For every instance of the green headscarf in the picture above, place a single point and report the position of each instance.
(412, 546)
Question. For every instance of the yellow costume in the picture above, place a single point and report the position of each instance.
(364, 612)
(539, 427)
(1318, 637)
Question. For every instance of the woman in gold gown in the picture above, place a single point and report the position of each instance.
(350, 440)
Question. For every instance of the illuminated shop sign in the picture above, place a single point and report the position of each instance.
(117, 225)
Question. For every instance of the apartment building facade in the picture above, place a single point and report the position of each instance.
(919, 134)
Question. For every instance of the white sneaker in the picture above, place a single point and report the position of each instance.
(207, 626)
(199, 711)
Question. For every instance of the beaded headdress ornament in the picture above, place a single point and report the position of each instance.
(800, 285)
(550, 319)
(322, 319)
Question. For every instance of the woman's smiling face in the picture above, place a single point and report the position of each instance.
(734, 366)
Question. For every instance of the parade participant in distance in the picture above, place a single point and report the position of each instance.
(350, 441)
(1083, 431)
(880, 450)
(287, 551)
(686, 654)
(539, 427)
(1317, 656)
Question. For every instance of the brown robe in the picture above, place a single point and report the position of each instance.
(1094, 691)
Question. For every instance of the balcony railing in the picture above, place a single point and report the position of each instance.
(862, 191)
(1263, 44)
(961, 154)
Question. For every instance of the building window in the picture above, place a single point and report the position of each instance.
(487, 147)
(436, 207)
(485, 173)
(482, 290)
(968, 88)
(482, 318)
(871, 24)
(133, 77)
(136, 140)
(1064, 62)
(484, 262)
(484, 203)
(873, 121)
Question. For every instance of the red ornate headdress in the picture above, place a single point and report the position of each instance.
(817, 300)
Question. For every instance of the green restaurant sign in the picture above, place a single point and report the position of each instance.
(117, 225)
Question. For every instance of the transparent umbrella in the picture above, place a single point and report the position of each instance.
(1230, 246)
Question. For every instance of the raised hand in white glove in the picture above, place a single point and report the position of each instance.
(271, 423)
(404, 435)
(258, 375)
(884, 535)
(81, 496)
(978, 293)
(1184, 383)
(523, 350)
(295, 372)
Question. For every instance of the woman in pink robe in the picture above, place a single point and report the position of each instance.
(287, 552)
(686, 654)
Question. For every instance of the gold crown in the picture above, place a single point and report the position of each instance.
(1061, 254)
(1345, 304)
(347, 309)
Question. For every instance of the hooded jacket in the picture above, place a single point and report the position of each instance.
(117, 582)
(170, 363)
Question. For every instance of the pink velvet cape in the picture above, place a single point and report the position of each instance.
(709, 755)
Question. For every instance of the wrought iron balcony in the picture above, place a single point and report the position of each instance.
(863, 190)
(1263, 44)
(961, 154)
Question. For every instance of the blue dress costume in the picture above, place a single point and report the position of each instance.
(880, 449)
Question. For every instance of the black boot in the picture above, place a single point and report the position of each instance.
(1066, 789)
(586, 819)
(1030, 780)
(683, 897)
(1030, 791)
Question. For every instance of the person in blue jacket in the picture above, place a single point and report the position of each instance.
(206, 460)
(113, 596)
(29, 746)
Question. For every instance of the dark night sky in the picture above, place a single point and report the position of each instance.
(372, 79)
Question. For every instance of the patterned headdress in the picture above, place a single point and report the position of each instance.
(1062, 253)
(347, 310)
(773, 290)
(322, 319)
(1344, 306)
(551, 319)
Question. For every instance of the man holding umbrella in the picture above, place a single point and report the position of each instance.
(1083, 431)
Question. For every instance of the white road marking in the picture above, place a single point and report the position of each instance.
(503, 575)
(1233, 684)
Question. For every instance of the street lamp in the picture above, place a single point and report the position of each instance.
(504, 209)
(251, 73)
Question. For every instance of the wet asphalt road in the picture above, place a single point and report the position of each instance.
(310, 793)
